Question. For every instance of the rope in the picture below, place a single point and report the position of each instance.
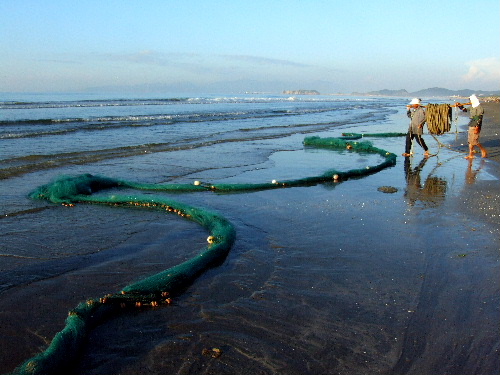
(455, 118)
(441, 144)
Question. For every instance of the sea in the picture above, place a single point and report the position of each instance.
(333, 278)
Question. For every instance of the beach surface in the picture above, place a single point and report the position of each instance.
(481, 198)
(393, 273)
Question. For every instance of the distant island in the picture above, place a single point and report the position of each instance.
(431, 92)
(301, 92)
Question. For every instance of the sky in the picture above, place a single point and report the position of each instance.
(269, 45)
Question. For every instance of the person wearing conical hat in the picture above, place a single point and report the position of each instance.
(476, 113)
(418, 117)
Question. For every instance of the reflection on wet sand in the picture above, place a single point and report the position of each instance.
(432, 193)
(471, 174)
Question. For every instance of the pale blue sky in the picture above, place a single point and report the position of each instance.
(357, 45)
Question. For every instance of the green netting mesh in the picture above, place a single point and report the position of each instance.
(339, 143)
(157, 289)
(375, 135)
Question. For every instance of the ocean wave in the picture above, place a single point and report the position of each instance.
(12, 104)
(144, 120)
(88, 103)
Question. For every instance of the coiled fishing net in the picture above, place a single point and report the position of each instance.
(158, 289)
(438, 117)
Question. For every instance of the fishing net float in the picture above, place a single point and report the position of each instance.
(159, 288)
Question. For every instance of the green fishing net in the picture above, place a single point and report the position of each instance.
(374, 135)
(158, 288)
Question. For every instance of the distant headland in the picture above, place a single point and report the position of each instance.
(301, 92)
(426, 93)
(431, 92)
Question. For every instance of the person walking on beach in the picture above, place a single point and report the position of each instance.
(476, 120)
(417, 115)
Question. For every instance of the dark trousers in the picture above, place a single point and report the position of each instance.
(418, 138)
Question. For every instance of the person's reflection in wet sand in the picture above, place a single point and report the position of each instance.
(413, 181)
(432, 193)
(471, 174)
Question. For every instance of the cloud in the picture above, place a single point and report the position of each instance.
(210, 67)
(484, 71)
(264, 61)
(149, 57)
(152, 57)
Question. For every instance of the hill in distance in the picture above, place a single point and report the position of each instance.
(431, 92)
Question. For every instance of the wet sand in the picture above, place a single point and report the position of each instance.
(328, 279)
(482, 197)
(490, 133)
